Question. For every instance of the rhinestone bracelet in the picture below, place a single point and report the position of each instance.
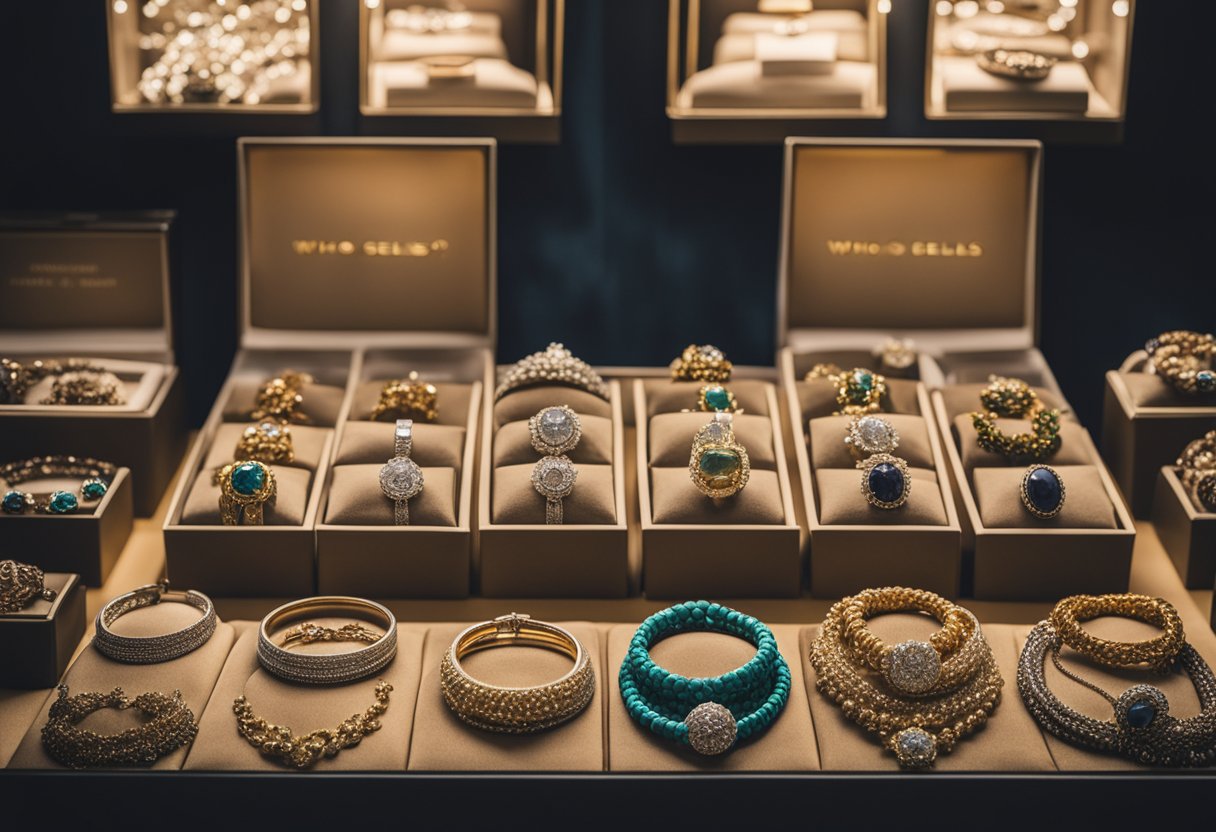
(169, 726)
(328, 668)
(553, 365)
(708, 714)
(515, 710)
(1141, 728)
(21, 585)
(97, 478)
(1183, 359)
(153, 649)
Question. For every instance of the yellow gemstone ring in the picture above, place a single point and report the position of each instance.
(719, 466)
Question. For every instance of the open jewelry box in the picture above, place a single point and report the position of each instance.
(737, 68)
(492, 65)
(959, 278)
(1087, 41)
(94, 286)
(362, 260)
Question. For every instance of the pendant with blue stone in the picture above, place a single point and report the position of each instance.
(1141, 708)
(885, 481)
(1042, 491)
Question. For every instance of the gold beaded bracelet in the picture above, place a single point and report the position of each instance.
(1184, 360)
(1158, 653)
(169, 726)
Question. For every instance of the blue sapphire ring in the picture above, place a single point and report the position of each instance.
(1042, 491)
(245, 488)
(885, 481)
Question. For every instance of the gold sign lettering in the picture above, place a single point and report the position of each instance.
(370, 248)
(895, 248)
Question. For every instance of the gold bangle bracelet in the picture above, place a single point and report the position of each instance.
(1158, 653)
(512, 710)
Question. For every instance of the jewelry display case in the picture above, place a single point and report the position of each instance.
(489, 63)
(93, 288)
(1044, 60)
(1187, 530)
(347, 281)
(236, 56)
(37, 642)
(733, 65)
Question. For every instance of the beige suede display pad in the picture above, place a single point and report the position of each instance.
(435, 446)
(828, 450)
(451, 400)
(307, 442)
(523, 403)
(961, 399)
(287, 508)
(355, 498)
(671, 435)
(513, 443)
(674, 499)
(194, 674)
(1074, 449)
(305, 708)
(1177, 687)
(664, 396)
(514, 500)
(788, 744)
(841, 502)
(1009, 741)
(1150, 390)
(442, 742)
(322, 402)
(1086, 503)
(818, 397)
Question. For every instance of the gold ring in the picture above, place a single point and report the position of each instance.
(1040, 444)
(822, 371)
(407, 398)
(1016, 64)
(281, 398)
(714, 397)
(859, 391)
(1010, 397)
(516, 710)
(245, 487)
(718, 466)
(896, 354)
(701, 363)
(1184, 360)
(267, 441)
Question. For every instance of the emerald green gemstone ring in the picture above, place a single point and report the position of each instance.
(719, 466)
(714, 397)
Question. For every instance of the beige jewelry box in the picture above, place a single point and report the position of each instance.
(1187, 532)
(959, 277)
(348, 278)
(761, 71)
(94, 286)
(1146, 424)
(37, 643)
(498, 74)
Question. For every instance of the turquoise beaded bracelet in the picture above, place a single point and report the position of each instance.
(708, 714)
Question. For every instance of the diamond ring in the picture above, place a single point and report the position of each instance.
(401, 478)
(867, 435)
(701, 363)
(553, 365)
(267, 441)
(553, 478)
(555, 430)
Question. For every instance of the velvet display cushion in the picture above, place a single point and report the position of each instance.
(355, 498)
(1087, 504)
(523, 403)
(1150, 390)
(451, 402)
(671, 434)
(287, 509)
(308, 443)
(435, 446)
(828, 448)
(513, 443)
(842, 503)
(751, 396)
(961, 399)
(321, 402)
(515, 500)
(675, 500)
(1075, 447)
(818, 398)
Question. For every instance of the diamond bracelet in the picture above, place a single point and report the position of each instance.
(327, 668)
(153, 649)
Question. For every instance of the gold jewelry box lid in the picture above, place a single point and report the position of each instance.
(933, 240)
(367, 242)
(88, 282)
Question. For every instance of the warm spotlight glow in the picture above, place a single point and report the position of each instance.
(1068, 4)
(966, 8)
(1080, 50)
(995, 6)
(1121, 8)
(944, 8)
(120, 6)
(1056, 23)
(372, 4)
(884, 6)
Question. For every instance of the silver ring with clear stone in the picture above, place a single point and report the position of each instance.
(553, 478)
(153, 649)
(401, 478)
(866, 435)
(555, 430)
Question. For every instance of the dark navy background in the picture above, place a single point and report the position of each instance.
(617, 241)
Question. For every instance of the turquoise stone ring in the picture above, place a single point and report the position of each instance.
(245, 487)
(719, 466)
(714, 397)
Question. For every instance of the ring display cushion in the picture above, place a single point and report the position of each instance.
(494, 83)
(741, 84)
(307, 442)
(523, 403)
(194, 674)
(442, 742)
(1074, 449)
(1184, 703)
(452, 402)
(306, 708)
(515, 500)
(129, 384)
(674, 499)
(322, 402)
(818, 397)
(1086, 503)
(1009, 741)
(962, 399)
(828, 450)
(287, 508)
(398, 45)
(842, 503)
(1151, 390)
(740, 29)
(671, 434)
(750, 394)
(355, 498)
(513, 444)
(435, 446)
(789, 743)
